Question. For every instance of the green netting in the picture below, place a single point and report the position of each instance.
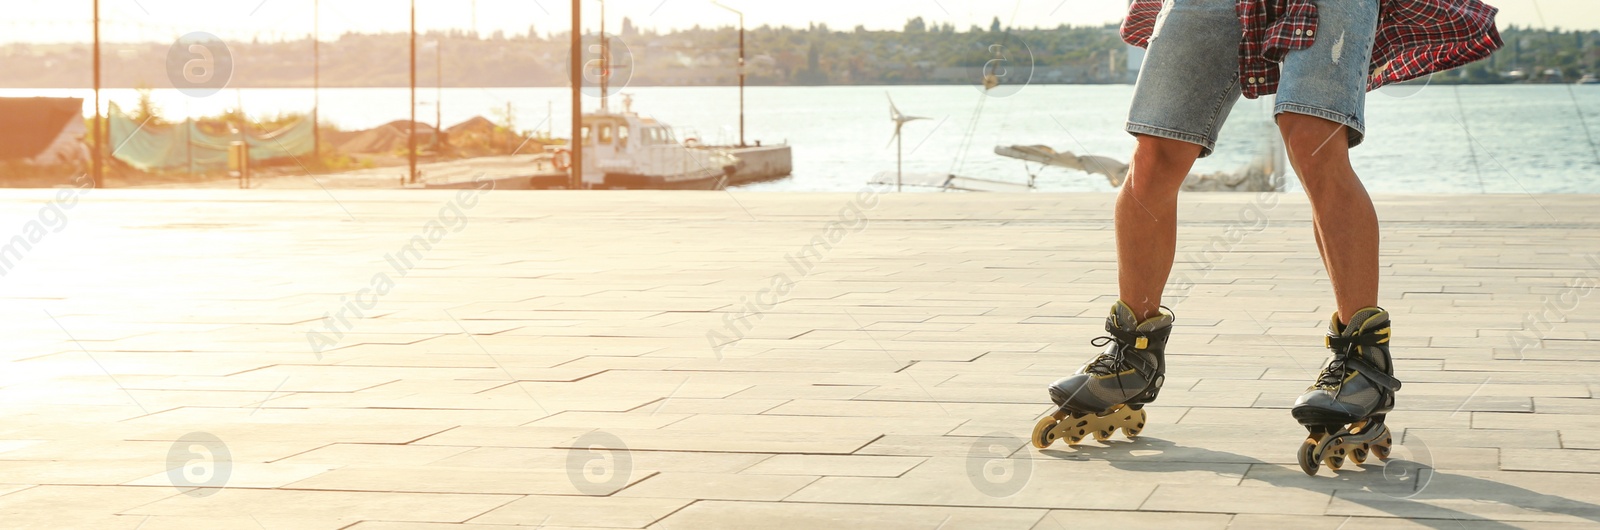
(185, 147)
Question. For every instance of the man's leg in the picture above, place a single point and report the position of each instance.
(1187, 85)
(1147, 221)
(1345, 221)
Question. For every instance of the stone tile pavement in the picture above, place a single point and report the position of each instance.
(480, 359)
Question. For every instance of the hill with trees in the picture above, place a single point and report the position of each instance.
(920, 53)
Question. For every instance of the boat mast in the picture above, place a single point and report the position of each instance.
(741, 68)
(605, 62)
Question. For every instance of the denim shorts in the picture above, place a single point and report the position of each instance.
(1190, 77)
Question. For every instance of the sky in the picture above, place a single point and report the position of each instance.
(29, 21)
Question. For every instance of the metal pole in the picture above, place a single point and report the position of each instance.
(438, 90)
(188, 135)
(741, 80)
(99, 142)
(244, 140)
(316, 83)
(575, 177)
(411, 139)
(741, 67)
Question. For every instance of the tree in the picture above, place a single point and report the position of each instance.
(916, 25)
(146, 110)
(994, 27)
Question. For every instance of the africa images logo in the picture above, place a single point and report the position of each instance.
(1001, 65)
(199, 64)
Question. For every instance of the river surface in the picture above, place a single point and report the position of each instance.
(1420, 139)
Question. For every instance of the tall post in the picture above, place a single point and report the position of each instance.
(605, 62)
(99, 127)
(741, 80)
(411, 139)
(575, 177)
(188, 135)
(741, 67)
(438, 91)
(316, 82)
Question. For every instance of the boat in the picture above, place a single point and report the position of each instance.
(757, 163)
(1589, 79)
(628, 150)
(1264, 174)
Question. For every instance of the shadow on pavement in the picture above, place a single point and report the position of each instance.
(1398, 487)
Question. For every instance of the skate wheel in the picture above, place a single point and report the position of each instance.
(1381, 449)
(1134, 423)
(1103, 436)
(1359, 456)
(1308, 457)
(1334, 452)
(1079, 430)
(1044, 432)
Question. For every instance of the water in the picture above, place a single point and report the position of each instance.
(1439, 139)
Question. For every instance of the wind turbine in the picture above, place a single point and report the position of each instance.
(900, 120)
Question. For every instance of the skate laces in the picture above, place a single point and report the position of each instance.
(1333, 375)
(1115, 360)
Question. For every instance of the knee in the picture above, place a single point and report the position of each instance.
(1160, 165)
(1319, 150)
(1315, 145)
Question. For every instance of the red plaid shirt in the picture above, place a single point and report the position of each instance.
(1415, 37)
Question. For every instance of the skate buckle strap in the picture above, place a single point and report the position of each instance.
(1353, 358)
(1372, 373)
(1369, 339)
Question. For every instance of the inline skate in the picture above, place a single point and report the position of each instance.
(1345, 408)
(1110, 392)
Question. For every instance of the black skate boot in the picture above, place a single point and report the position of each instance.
(1110, 392)
(1344, 409)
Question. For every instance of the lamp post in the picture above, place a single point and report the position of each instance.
(316, 82)
(741, 68)
(99, 127)
(411, 139)
(575, 173)
(438, 94)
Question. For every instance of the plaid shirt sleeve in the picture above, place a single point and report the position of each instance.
(1414, 37)
(1141, 22)
(1293, 28)
(1420, 37)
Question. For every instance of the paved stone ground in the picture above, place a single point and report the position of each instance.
(277, 359)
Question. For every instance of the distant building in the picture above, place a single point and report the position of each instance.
(1135, 57)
